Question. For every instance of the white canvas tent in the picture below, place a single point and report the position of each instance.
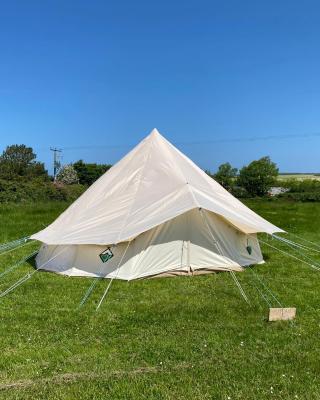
(154, 213)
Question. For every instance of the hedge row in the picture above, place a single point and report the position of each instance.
(301, 190)
(301, 186)
(301, 196)
(22, 191)
(39, 190)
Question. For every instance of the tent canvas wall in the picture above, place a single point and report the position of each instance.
(157, 214)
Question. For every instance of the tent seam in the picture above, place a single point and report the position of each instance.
(136, 192)
(186, 181)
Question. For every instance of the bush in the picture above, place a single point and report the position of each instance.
(37, 190)
(89, 173)
(301, 186)
(303, 196)
(68, 175)
(239, 192)
(301, 190)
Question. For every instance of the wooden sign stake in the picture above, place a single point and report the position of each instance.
(282, 314)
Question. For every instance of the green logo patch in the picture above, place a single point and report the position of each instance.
(106, 255)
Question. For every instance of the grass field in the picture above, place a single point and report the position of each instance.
(176, 338)
(299, 177)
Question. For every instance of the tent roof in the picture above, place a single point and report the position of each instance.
(152, 184)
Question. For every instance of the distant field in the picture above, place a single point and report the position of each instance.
(183, 338)
(298, 176)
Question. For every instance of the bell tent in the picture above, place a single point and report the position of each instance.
(154, 213)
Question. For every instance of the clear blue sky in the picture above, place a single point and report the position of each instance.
(91, 73)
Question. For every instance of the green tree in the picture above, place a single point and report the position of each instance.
(68, 175)
(20, 161)
(226, 175)
(258, 176)
(89, 173)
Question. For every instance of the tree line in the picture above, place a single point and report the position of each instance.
(24, 178)
(18, 162)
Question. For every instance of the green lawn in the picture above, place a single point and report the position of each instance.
(174, 338)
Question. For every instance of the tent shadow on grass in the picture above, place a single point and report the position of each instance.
(32, 261)
(266, 257)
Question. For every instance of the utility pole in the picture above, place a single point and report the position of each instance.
(56, 161)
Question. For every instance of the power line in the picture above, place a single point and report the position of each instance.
(204, 142)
